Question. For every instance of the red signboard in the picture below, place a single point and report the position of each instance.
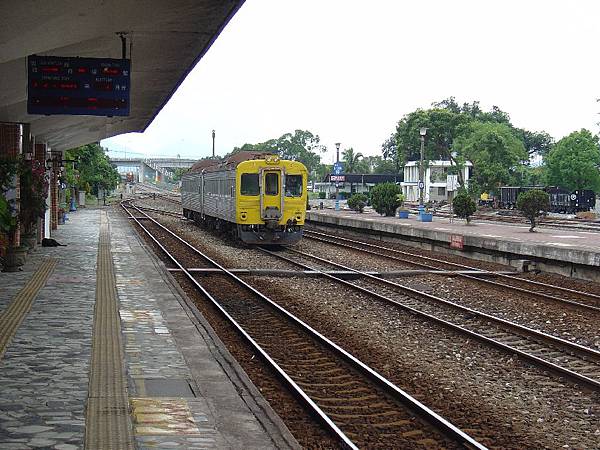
(457, 241)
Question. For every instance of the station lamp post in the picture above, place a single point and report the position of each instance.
(337, 183)
(422, 132)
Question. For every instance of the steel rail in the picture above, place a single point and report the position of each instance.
(333, 429)
(521, 330)
(160, 211)
(308, 234)
(432, 417)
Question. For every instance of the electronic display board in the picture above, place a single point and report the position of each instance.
(78, 86)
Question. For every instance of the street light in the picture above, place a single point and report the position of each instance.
(337, 183)
(422, 132)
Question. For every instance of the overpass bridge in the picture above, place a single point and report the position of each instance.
(145, 168)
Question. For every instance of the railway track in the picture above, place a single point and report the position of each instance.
(577, 299)
(573, 361)
(355, 403)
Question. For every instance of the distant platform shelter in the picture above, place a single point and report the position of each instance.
(352, 183)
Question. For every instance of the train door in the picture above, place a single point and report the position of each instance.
(270, 197)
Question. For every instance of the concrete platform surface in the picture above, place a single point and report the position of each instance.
(183, 387)
(576, 247)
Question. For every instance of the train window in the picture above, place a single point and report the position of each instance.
(293, 185)
(271, 183)
(249, 184)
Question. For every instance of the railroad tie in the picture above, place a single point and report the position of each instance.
(108, 424)
(12, 317)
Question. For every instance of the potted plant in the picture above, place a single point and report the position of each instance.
(426, 216)
(34, 190)
(402, 211)
(9, 221)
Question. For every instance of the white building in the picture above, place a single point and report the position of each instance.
(436, 180)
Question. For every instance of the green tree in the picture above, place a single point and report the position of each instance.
(574, 161)
(536, 143)
(302, 146)
(526, 175)
(389, 151)
(93, 167)
(357, 202)
(463, 206)
(533, 204)
(443, 126)
(385, 166)
(494, 151)
(351, 160)
(375, 164)
(447, 121)
(178, 173)
(384, 198)
(322, 171)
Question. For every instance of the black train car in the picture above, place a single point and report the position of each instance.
(582, 200)
(561, 200)
(509, 195)
(564, 201)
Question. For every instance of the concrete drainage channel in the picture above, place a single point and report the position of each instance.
(521, 264)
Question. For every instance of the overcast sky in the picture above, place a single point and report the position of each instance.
(349, 70)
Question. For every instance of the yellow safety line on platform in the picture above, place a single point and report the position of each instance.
(12, 317)
(107, 420)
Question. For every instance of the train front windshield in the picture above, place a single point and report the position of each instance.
(293, 185)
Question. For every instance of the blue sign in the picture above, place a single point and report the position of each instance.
(421, 185)
(78, 86)
(338, 168)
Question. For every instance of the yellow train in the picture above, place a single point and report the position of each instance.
(258, 197)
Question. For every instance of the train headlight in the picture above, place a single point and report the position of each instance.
(243, 216)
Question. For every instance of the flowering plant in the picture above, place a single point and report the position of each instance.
(34, 191)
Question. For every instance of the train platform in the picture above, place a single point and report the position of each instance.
(99, 350)
(569, 252)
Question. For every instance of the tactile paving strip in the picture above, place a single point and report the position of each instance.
(107, 420)
(11, 318)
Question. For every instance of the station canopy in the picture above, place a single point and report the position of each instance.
(166, 40)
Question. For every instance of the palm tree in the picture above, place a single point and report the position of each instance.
(350, 160)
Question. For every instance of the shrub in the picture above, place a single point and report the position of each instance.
(463, 206)
(400, 199)
(357, 202)
(533, 204)
(384, 198)
(322, 195)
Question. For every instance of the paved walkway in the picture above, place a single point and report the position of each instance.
(181, 388)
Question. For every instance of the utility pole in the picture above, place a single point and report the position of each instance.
(422, 132)
(337, 183)
(213, 136)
